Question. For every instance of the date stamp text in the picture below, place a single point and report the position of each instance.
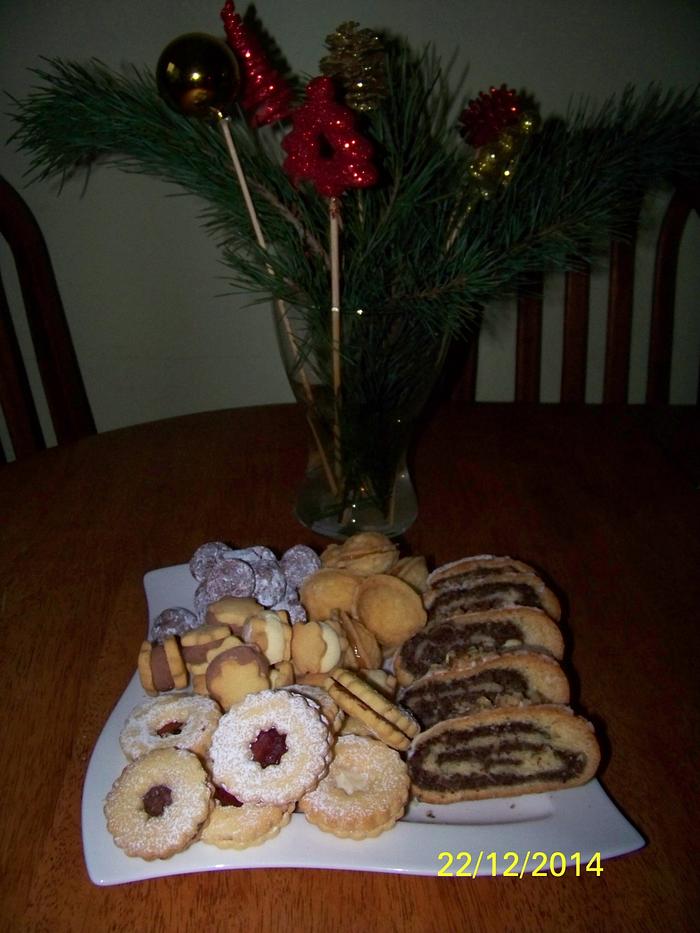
(518, 864)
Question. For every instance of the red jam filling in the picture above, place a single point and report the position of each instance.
(226, 799)
(156, 799)
(170, 728)
(268, 747)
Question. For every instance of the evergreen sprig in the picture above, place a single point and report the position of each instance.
(408, 243)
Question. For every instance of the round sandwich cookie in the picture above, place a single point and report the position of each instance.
(383, 719)
(158, 804)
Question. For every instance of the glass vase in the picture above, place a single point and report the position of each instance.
(363, 380)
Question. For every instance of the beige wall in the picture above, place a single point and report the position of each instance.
(142, 284)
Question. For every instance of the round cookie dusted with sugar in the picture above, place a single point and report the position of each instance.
(330, 710)
(298, 563)
(173, 621)
(270, 584)
(271, 748)
(173, 721)
(158, 803)
(234, 825)
(364, 793)
(206, 556)
(231, 577)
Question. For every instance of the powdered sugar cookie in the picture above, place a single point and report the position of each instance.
(364, 793)
(330, 710)
(158, 803)
(298, 563)
(231, 577)
(235, 825)
(173, 621)
(206, 555)
(271, 748)
(173, 721)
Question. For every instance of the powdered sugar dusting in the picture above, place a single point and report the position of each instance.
(366, 785)
(196, 715)
(305, 761)
(161, 836)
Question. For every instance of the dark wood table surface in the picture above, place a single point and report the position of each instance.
(582, 493)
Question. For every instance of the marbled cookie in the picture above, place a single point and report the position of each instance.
(234, 673)
(161, 666)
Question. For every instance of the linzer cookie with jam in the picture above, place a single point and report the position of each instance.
(458, 641)
(516, 679)
(476, 584)
(503, 753)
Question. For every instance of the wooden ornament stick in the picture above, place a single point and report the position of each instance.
(257, 229)
(335, 291)
(335, 321)
(280, 306)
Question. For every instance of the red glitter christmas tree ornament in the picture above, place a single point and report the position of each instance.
(266, 97)
(325, 145)
(488, 115)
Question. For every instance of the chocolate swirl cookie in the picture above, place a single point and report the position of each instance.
(518, 678)
(458, 641)
(503, 753)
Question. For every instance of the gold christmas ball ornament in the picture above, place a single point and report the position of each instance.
(198, 76)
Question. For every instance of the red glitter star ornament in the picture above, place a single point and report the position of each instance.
(325, 145)
(267, 97)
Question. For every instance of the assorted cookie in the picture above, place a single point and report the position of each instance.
(170, 721)
(158, 803)
(271, 748)
(502, 752)
(341, 685)
(364, 793)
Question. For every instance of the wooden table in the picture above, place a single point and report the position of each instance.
(582, 493)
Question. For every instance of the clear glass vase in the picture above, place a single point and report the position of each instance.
(363, 380)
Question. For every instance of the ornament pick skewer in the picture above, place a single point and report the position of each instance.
(198, 76)
(326, 148)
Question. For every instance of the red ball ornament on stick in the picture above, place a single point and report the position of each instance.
(266, 97)
(325, 145)
(488, 114)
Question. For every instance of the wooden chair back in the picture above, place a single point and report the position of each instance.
(528, 351)
(63, 385)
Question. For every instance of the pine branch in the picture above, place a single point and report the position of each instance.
(578, 181)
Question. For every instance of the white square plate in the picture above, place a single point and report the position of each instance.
(580, 823)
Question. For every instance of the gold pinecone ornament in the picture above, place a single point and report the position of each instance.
(356, 62)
